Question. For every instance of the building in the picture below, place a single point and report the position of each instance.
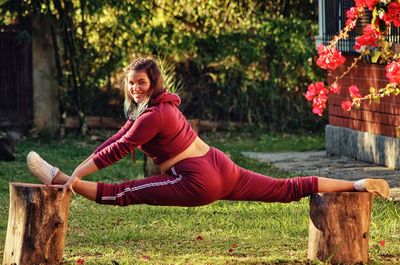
(371, 133)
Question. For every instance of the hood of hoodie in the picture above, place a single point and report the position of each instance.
(167, 97)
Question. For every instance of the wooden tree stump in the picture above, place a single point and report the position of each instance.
(150, 168)
(37, 224)
(339, 227)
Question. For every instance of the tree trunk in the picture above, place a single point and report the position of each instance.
(37, 225)
(150, 168)
(339, 227)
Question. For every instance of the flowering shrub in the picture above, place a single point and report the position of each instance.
(372, 42)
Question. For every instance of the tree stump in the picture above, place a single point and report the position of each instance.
(150, 168)
(37, 224)
(339, 227)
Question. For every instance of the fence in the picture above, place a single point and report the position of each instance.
(334, 13)
(15, 78)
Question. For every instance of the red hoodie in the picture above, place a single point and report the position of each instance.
(161, 132)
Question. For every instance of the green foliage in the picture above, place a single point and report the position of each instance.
(247, 61)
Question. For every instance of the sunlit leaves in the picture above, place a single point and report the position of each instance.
(241, 54)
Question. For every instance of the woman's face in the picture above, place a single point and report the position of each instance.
(138, 86)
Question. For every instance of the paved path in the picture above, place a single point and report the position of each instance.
(320, 164)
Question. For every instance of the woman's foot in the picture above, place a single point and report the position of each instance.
(40, 168)
(376, 186)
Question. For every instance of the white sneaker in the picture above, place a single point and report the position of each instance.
(377, 186)
(40, 168)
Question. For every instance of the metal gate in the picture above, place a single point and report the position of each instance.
(15, 78)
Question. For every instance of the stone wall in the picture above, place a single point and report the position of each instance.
(363, 146)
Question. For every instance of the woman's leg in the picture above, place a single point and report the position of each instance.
(49, 174)
(192, 182)
(376, 186)
(87, 189)
(256, 187)
(184, 185)
(252, 186)
(334, 185)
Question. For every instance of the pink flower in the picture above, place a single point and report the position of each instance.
(351, 23)
(382, 243)
(314, 90)
(393, 72)
(360, 3)
(311, 92)
(346, 105)
(371, 3)
(335, 88)
(318, 94)
(393, 14)
(354, 92)
(319, 103)
(329, 57)
(370, 37)
(318, 111)
(352, 13)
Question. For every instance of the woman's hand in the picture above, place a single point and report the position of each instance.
(69, 186)
(82, 170)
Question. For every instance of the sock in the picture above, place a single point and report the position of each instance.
(53, 173)
(359, 185)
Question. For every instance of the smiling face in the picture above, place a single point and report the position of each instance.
(138, 86)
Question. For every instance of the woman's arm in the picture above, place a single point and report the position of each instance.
(121, 132)
(85, 168)
(86, 160)
(146, 126)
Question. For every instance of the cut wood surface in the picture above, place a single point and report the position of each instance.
(37, 224)
(339, 227)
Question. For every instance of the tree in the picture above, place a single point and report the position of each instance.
(245, 61)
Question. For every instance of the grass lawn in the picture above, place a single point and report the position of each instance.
(221, 233)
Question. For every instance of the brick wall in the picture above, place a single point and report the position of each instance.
(378, 118)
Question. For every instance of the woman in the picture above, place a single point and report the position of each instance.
(193, 173)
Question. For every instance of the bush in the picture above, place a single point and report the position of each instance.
(247, 61)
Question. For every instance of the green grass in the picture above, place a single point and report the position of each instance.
(221, 233)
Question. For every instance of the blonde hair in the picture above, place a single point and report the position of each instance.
(149, 66)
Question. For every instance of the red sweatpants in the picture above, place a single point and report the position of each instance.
(203, 180)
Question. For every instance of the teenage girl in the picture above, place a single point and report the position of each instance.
(193, 173)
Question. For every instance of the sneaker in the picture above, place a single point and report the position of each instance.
(377, 186)
(40, 168)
